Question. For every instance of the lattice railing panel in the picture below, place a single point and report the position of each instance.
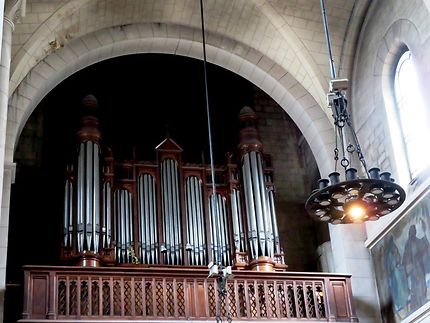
(138, 298)
(180, 299)
(283, 300)
(159, 298)
(137, 295)
(106, 292)
(95, 300)
(117, 294)
(62, 300)
(212, 300)
(149, 290)
(73, 298)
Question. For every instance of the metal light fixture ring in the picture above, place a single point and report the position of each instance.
(333, 203)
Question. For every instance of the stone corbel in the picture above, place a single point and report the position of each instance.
(14, 10)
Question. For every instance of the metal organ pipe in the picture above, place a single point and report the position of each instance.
(107, 213)
(223, 241)
(267, 218)
(243, 244)
(171, 211)
(147, 219)
(81, 190)
(154, 232)
(250, 207)
(194, 208)
(143, 230)
(214, 223)
(189, 209)
(274, 221)
(199, 231)
(176, 208)
(236, 210)
(96, 197)
(165, 247)
(124, 225)
(68, 214)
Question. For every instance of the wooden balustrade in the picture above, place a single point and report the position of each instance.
(172, 293)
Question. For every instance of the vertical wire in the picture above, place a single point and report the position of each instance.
(327, 38)
(213, 199)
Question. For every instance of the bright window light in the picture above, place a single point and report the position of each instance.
(411, 115)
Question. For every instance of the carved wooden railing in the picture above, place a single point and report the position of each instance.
(150, 293)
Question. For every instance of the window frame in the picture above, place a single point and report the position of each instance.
(397, 106)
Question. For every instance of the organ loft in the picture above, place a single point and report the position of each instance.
(138, 237)
(163, 212)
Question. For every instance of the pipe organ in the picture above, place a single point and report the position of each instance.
(165, 212)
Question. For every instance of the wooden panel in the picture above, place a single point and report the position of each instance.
(339, 292)
(39, 296)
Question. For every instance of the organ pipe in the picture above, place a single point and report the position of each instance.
(195, 216)
(81, 200)
(171, 212)
(236, 209)
(274, 221)
(124, 225)
(250, 208)
(68, 214)
(107, 215)
(147, 219)
(221, 238)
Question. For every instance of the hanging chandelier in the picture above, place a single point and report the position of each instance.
(355, 198)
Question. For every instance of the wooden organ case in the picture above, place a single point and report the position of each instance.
(163, 212)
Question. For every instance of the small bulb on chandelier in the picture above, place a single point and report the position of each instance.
(353, 192)
(356, 212)
(388, 195)
(320, 212)
(325, 202)
(392, 201)
(376, 190)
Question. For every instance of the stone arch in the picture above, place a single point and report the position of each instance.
(68, 22)
(234, 56)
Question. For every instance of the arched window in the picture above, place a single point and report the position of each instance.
(410, 115)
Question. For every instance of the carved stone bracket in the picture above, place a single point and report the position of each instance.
(14, 10)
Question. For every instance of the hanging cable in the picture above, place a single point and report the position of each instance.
(213, 199)
(221, 280)
(327, 38)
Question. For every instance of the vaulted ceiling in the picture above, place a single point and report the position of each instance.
(279, 45)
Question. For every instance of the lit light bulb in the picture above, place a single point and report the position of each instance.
(356, 212)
